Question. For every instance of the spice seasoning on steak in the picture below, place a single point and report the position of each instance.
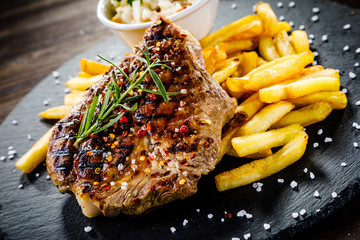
(158, 152)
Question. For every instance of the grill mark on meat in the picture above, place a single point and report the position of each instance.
(61, 153)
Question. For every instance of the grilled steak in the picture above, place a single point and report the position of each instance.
(124, 170)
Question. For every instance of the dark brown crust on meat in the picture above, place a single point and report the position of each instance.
(172, 161)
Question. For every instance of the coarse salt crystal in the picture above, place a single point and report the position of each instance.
(66, 90)
(291, 23)
(305, 170)
(310, 41)
(10, 147)
(210, 216)
(46, 102)
(172, 229)
(312, 175)
(354, 124)
(183, 91)
(343, 164)
(324, 38)
(301, 27)
(255, 185)
(87, 229)
(316, 54)
(120, 167)
(315, 18)
(302, 212)
(328, 139)
(11, 152)
(316, 10)
(357, 50)
(292, 4)
(356, 64)
(293, 184)
(352, 75)
(235, 238)
(47, 177)
(356, 145)
(21, 186)
(315, 144)
(316, 194)
(185, 222)
(295, 215)
(334, 194)
(247, 236)
(279, 4)
(346, 48)
(233, 6)
(259, 189)
(249, 215)
(57, 82)
(266, 226)
(314, 63)
(241, 213)
(320, 131)
(318, 210)
(55, 74)
(347, 26)
(222, 220)
(344, 90)
(11, 157)
(198, 209)
(2, 158)
(311, 36)
(281, 18)
(14, 122)
(124, 185)
(280, 180)
(29, 137)
(112, 183)
(37, 175)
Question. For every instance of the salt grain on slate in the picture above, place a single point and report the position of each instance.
(316, 10)
(295, 215)
(334, 194)
(210, 216)
(279, 4)
(233, 6)
(305, 170)
(291, 23)
(248, 215)
(37, 175)
(241, 213)
(280, 180)
(312, 175)
(266, 226)
(198, 209)
(247, 236)
(346, 48)
(352, 75)
(235, 238)
(47, 177)
(293, 184)
(318, 210)
(315, 144)
(347, 26)
(302, 212)
(320, 131)
(311, 36)
(185, 222)
(343, 164)
(314, 63)
(11, 157)
(357, 50)
(328, 139)
(281, 18)
(21, 186)
(172, 229)
(315, 18)
(356, 145)
(344, 90)
(316, 194)
(55, 74)
(29, 137)
(11, 152)
(66, 90)
(316, 54)
(10, 147)
(292, 4)
(14, 122)
(356, 64)
(87, 229)
(46, 102)
(324, 38)
(2, 158)
(310, 41)
(222, 220)
(301, 27)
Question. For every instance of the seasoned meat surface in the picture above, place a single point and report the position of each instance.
(160, 152)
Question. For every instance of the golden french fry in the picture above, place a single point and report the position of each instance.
(72, 98)
(337, 100)
(92, 67)
(267, 49)
(266, 117)
(81, 84)
(251, 30)
(37, 153)
(311, 69)
(278, 70)
(245, 145)
(300, 41)
(222, 64)
(261, 61)
(305, 116)
(284, 26)
(250, 106)
(84, 75)
(261, 154)
(211, 58)
(269, 19)
(249, 62)
(56, 112)
(283, 45)
(237, 27)
(263, 168)
(325, 80)
(225, 145)
(236, 86)
(222, 55)
(237, 46)
(225, 72)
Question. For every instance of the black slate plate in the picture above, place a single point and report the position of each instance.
(39, 211)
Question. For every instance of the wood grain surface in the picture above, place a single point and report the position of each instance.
(38, 36)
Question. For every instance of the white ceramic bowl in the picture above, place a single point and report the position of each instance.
(198, 19)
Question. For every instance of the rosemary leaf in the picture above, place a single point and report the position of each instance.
(109, 124)
(91, 113)
(130, 98)
(133, 108)
(122, 72)
(82, 125)
(160, 85)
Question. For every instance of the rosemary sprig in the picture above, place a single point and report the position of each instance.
(116, 98)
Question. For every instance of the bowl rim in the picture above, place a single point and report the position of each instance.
(134, 26)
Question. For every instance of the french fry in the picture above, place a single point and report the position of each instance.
(326, 80)
(56, 112)
(236, 86)
(269, 19)
(92, 67)
(261, 154)
(278, 70)
(237, 46)
(84, 75)
(311, 69)
(225, 72)
(263, 168)
(227, 62)
(245, 145)
(261, 61)
(300, 41)
(266, 117)
(81, 84)
(283, 45)
(72, 98)
(249, 62)
(251, 30)
(225, 145)
(211, 58)
(305, 116)
(267, 49)
(222, 55)
(240, 26)
(37, 153)
(250, 106)
(337, 100)
(284, 26)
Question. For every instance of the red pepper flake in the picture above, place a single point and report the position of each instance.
(152, 97)
(107, 188)
(193, 154)
(147, 163)
(206, 144)
(152, 188)
(124, 134)
(228, 215)
(152, 157)
(122, 111)
(81, 118)
(148, 127)
(119, 83)
(90, 153)
(123, 119)
(183, 8)
(184, 162)
(154, 175)
(166, 173)
(117, 150)
(92, 135)
(105, 139)
(140, 133)
(184, 129)
(115, 125)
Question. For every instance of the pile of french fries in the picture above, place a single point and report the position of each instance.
(258, 63)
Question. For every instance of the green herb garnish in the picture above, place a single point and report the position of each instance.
(130, 2)
(114, 98)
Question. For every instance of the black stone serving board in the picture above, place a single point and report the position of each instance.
(39, 211)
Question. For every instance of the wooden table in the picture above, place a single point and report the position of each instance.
(36, 37)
